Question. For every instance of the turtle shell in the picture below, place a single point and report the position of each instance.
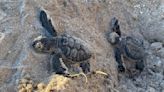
(134, 48)
(72, 48)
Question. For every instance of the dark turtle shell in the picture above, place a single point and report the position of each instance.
(72, 49)
(134, 48)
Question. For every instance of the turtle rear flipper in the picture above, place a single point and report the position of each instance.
(134, 48)
(47, 24)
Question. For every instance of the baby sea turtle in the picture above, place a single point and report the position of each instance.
(64, 50)
(63, 47)
(128, 46)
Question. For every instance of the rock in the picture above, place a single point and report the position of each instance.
(157, 49)
(2, 35)
(150, 89)
(160, 53)
(155, 64)
(41, 86)
(140, 90)
(162, 85)
(156, 46)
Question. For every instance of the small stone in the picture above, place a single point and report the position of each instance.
(155, 64)
(20, 87)
(23, 81)
(29, 90)
(41, 86)
(162, 84)
(27, 76)
(2, 36)
(29, 86)
(123, 88)
(24, 85)
(160, 53)
(140, 90)
(2, 15)
(31, 82)
(22, 90)
(156, 46)
(150, 89)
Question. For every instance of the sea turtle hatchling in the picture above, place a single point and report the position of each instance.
(64, 46)
(127, 46)
(65, 49)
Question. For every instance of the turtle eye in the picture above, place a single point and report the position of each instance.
(39, 45)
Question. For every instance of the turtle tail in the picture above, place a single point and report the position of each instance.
(47, 24)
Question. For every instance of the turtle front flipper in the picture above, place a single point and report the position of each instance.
(85, 66)
(57, 65)
(115, 27)
(47, 24)
(117, 53)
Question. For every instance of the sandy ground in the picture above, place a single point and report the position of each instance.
(89, 21)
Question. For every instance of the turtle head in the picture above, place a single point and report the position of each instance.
(43, 45)
(113, 38)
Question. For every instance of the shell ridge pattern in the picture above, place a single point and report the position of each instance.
(72, 48)
(134, 48)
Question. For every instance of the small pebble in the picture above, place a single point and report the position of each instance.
(29, 86)
(20, 87)
(41, 86)
(22, 90)
(23, 81)
(156, 46)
